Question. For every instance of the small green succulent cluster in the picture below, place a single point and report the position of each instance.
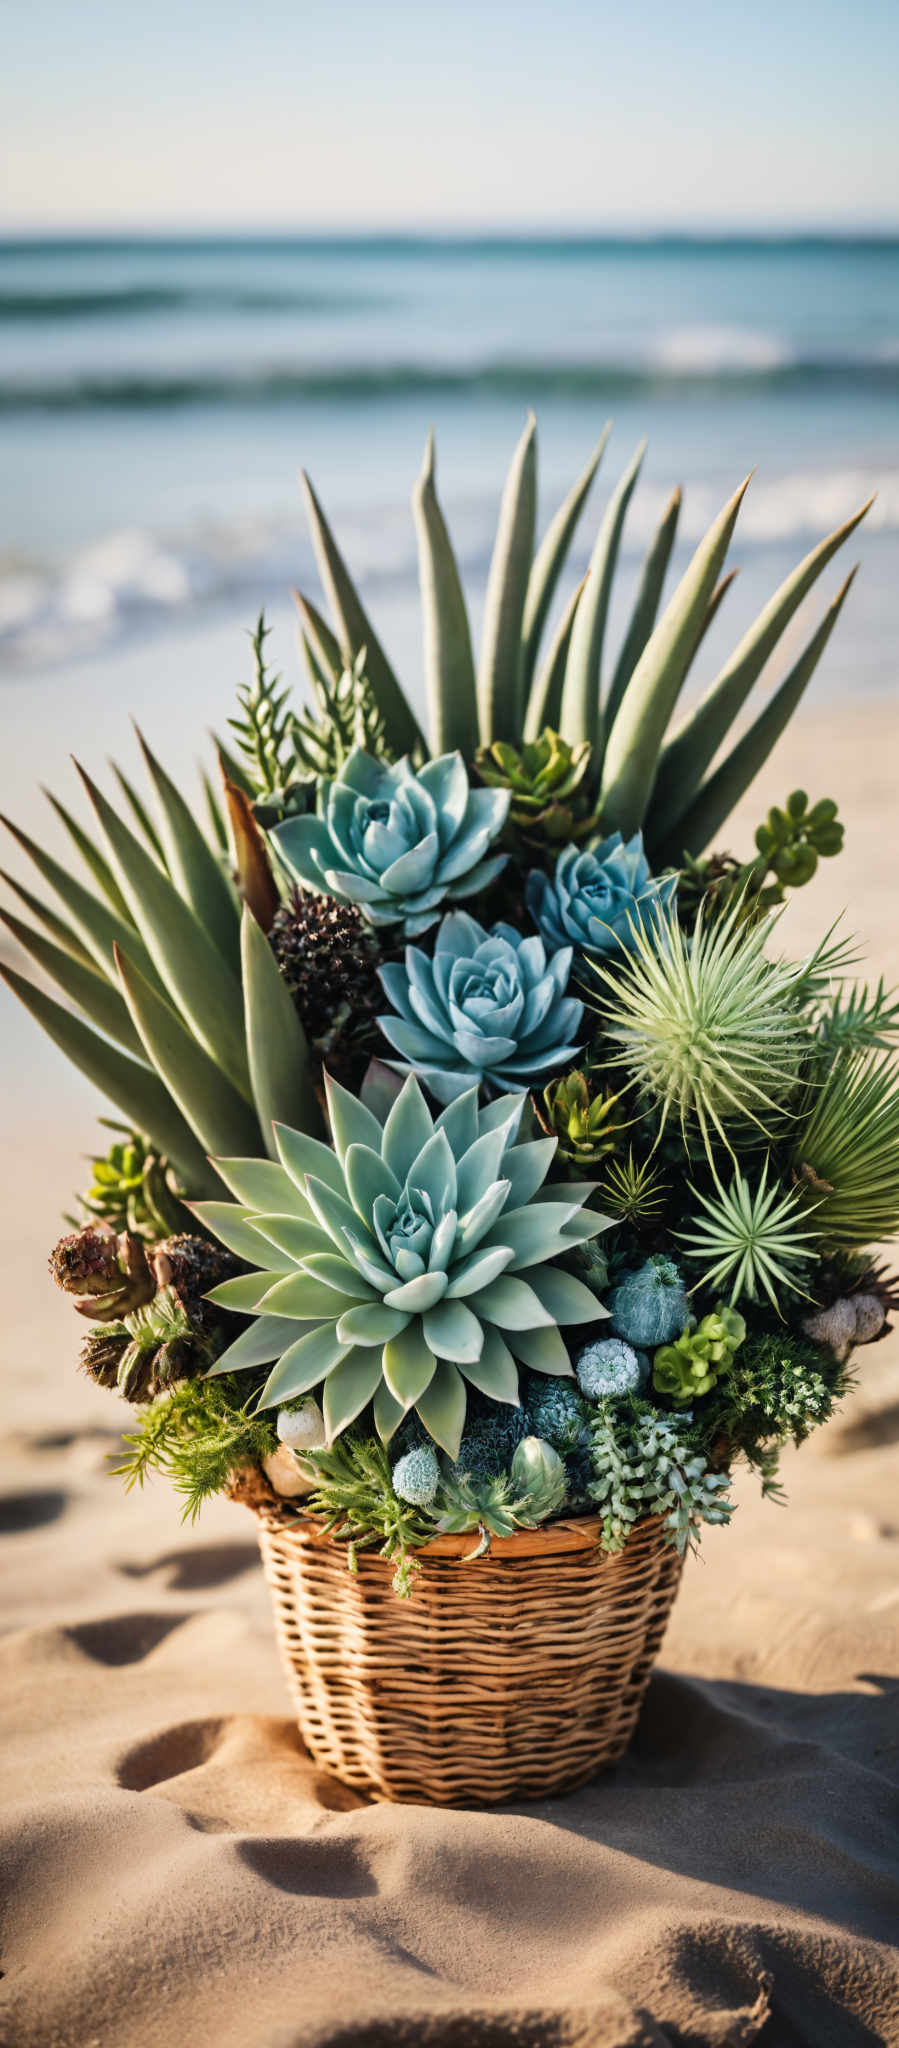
(587, 1119)
(692, 1364)
(647, 1463)
(133, 1189)
(792, 840)
(550, 801)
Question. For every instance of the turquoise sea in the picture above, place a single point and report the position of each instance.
(158, 397)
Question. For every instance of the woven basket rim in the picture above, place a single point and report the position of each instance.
(581, 1532)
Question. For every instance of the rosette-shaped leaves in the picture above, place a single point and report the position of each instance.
(596, 895)
(411, 1259)
(545, 779)
(490, 1006)
(394, 842)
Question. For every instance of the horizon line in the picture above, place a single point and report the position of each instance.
(547, 235)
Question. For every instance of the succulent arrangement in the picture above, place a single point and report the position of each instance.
(480, 1158)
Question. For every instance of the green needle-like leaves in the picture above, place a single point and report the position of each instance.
(279, 1058)
(449, 662)
(500, 668)
(357, 631)
(582, 716)
(549, 562)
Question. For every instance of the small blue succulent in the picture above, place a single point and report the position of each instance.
(557, 1411)
(650, 1306)
(596, 894)
(394, 842)
(489, 1006)
(608, 1368)
(416, 1476)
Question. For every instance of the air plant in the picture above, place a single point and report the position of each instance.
(754, 1237)
(708, 1028)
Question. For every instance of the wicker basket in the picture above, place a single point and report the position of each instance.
(513, 1677)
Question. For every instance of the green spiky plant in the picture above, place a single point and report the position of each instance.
(174, 1005)
(643, 773)
(846, 1151)
(753, 1236)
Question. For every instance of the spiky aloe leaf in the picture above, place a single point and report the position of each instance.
(97, 925)
(217, 824)
(222, 1119)
(280, 1064)
(84, 986)
(724, 788)
(92, 857)
(191, 862)
(356, 631)
(714, 605)
(449, 662)
(549, 562)
(320, 639)
(545, 699)
(56, 926)
(632, 751)
(139, 813)
(687, 755)
(849, 1142)
(646, 605)
(582, 717)
(499, 670)
(193, 973)
(134, 1089)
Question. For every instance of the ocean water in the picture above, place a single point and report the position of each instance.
(158, 398)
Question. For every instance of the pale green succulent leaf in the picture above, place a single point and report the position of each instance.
(713, 803)
(452, 1331)
(449, 662)
(688, 754)
(136, 1091)
(230, 1223)
(140, 814)
(565, 1298)
(280, 1063)
(582, 716)
(92, 858)
(95, 923)
(351, 1122)
(442, 1407)
(221, 1117)
(262, 1185)
(495, 1372)
(197, 980)
(499, 668)
(193, 867)
(298, 1294)
(244, 1293)
(635, 739)
(319, 640)
(60, 932)
(371, 1322)
(297, 1237)
(348, 1389)
(409, 1365)
(264, 1340)
(302, 1154)
(89, 990)
(544, 707)
(646, 606)
(303, 1366)
(513, 1304)
(356, 631)
(388, 1413)
(549, 562)
(542, 1350)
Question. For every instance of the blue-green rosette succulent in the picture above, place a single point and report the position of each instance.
(490, 1006)
(394, 842)
(412, 1260)
(596, 894)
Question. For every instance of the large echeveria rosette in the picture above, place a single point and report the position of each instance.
(488, 1006)
(397, 842)
(597, 896)
(413, 1259)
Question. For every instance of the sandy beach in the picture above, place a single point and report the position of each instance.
(177, 1869)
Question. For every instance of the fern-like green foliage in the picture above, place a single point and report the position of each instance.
(708, 1027)
(197, 1435)
(779, 1387)
(355, 1495)
(859, 1020)
(263, 729)
(647, 1463)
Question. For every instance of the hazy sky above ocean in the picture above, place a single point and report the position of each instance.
(285, 115)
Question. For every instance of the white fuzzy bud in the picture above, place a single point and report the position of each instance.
(302, 1429)
(285, 1474)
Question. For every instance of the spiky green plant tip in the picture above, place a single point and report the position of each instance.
(846, 1151)
(707, 1027)
(758, 1240)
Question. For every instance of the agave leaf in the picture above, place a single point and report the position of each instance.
(499, 671)
(714, 605)
(646, 604)
(92, 858)
(545, 699)
(135, 1090)
(194, 975)
(317, 675)
(582, 717)
(549, 562)
(686, 757)
(632, 754)
(449, 662)
(320, 639)
(192, 864)
(216, 820)
(56, 926)
(263, 1341)
(95, 923)
(356, 631)
(349, 1387)
(89, 990)
(388, 1413)
(442, 1407)
(724, 788)
(139, 812)
(222, 1119)
(280, 1065)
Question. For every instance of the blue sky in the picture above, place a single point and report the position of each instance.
(296, 116)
